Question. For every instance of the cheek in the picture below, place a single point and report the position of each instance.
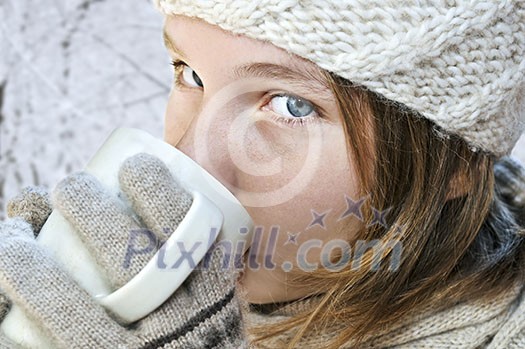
(289, 226)
(306, 186)
(292, 164)
(267, 155)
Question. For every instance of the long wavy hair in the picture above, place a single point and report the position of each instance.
(462, 239)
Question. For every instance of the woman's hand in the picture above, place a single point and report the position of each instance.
(32, 205)
(202, 313)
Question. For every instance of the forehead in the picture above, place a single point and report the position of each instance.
(193, 33)
(194, 39)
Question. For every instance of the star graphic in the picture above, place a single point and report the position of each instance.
(353, 208)
(399, 229)
(380, 216)
(292, 238)
(318, 219)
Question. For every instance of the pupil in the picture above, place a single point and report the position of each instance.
(299, 107)
(197, 79)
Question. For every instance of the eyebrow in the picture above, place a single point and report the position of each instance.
(308, 80)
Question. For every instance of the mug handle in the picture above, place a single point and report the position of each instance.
(157, 281)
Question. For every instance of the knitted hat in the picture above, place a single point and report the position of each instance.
(459, 63)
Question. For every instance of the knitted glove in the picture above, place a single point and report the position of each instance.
(202, 313)
(32, 206)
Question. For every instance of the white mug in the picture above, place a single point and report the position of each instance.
(213, 208)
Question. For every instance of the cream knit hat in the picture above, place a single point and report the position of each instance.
(459, 63)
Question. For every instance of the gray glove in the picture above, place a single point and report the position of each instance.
(27, 212)
(32, 205)
(202, 313)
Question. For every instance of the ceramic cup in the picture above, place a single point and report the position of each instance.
(214, 209)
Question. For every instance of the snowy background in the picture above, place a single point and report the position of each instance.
(70, 72)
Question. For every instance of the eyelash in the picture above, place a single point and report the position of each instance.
(178, 65)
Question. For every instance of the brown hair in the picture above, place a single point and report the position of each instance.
(460, 240)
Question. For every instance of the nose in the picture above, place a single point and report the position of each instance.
(208, 147)
(185, 140)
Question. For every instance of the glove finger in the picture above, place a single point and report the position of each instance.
(154, 194)
(49, 297)
(33, 205)
(204, 308)
(111, 235)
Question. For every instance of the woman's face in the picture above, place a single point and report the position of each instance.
(266, 125)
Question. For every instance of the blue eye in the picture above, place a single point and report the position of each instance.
(190, 77)
(286, 108)
(291, 106)
(184, 73)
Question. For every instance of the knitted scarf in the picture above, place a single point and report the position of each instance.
(495, 324)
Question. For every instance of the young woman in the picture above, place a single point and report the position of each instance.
(366, 139)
